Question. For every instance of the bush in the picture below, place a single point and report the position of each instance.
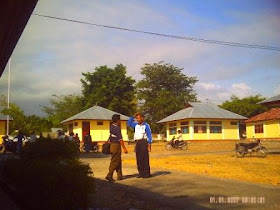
(50, 176)
(51, 150)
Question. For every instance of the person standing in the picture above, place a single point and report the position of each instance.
(143, 138)
(71, 136)
(116, 140)
(33, 137)
(88, 142)
(20, 138)
(77, 140)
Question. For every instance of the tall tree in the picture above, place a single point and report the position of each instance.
(18, 118)
(63, 107)
(109, 88)
(247, 106)
(21, 122)
(165, 89)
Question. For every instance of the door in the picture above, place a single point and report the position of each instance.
(85, 129)
(70, 128)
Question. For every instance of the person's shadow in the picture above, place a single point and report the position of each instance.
(158, 173)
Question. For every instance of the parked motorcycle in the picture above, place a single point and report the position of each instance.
(93, 147)
(245, 148)
(183, 145)
(10, 143)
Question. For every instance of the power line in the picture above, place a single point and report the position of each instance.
(209, 41)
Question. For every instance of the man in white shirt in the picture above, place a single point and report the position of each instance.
(143, 138)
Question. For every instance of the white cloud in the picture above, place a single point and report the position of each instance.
(219, 93)
(240, 87)
(277, 90)
(208, 86)
(51, 55)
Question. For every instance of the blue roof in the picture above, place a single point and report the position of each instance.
(197, 110)
(95, 113)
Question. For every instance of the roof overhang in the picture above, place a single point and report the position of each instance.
(14, 15)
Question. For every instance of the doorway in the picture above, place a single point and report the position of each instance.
(85, 129)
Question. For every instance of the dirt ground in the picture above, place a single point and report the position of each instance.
(217, 159)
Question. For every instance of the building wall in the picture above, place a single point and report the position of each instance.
(271, 130)
(98, 132)
(229, 132)
(2, 130)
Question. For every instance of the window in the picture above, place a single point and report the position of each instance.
(200, 127)
(172, 128)
(185, 123)
(76, 124)
(200, 122)
(172, 124)
(215, 123)
(259, 128)
(233, 123)
(215, 129)
(215, 126)
(185, 127)
(99, 123)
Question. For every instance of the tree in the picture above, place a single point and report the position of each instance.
(164, 90)
(63, 107)
(21, 122)
(247, 106)
(109, 88)
(18, 118)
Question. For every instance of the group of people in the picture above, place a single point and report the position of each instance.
(143, 138)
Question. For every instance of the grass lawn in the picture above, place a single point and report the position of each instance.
(251, 169)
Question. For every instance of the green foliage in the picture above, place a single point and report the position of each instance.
(42, 184)
(52, 150)
(50, 176)
(164, 90)
(109, 88)
(247, 107)
(21, 122)
(63, 107)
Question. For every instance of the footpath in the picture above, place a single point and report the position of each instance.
(176, 190)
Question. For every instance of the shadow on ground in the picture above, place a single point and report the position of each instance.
(93, 155)
(158, 173)
(118, 196)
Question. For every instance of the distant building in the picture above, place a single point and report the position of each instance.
(96, 121)
(203, 121)
(265, 125)
(3, 126)
(273, 101)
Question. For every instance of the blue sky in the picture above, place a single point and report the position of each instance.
(51, 55)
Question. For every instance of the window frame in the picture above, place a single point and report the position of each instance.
(200, 126)
(99, 123)
(172, 128)
(258, 128)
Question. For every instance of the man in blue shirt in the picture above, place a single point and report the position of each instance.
(116, 140)
(143, 138)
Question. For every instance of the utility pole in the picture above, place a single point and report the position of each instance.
(8, 106)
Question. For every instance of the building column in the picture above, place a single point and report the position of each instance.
(238, 129)
(208, 129)
(223, 129)
(167, 131)
(191, 127)
(264, 130)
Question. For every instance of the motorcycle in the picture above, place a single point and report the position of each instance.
(245, 148)
(10, 143)
(183, 145)
(93, 147)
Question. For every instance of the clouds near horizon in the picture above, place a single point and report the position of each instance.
(51, 55)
